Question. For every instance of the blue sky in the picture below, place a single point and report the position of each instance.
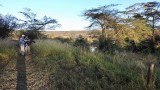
(67, 12)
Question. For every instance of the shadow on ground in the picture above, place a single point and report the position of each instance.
(21, 74)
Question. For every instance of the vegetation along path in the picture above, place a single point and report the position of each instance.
(23, 74)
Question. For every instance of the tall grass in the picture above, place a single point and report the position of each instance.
(73, 68)
(7, 51)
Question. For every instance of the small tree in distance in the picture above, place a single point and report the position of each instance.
(33, 24)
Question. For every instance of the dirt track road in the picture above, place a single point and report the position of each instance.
(23, 74)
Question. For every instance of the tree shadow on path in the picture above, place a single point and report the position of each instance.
(21, 74)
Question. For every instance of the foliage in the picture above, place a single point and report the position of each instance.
(7, 24)
(136, 35)
(107, 45)
(73, 68)
(81, 42)
(32, 23)
(149, 11)
(145, 46)
(103, 17)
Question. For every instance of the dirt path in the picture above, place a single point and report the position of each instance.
(23, 74)
(8, 77)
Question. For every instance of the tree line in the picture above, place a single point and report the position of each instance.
(132, 27)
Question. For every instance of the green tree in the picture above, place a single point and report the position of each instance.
(149, 11)
(104, 17)
(7, 24)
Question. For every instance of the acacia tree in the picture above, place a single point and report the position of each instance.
(32, 23)
(149, 11)
(103, 17)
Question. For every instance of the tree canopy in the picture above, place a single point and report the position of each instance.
(149, 11)
(104, 16)
(31, 21)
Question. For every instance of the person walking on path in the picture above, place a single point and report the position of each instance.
(22, 44)
(27, 45)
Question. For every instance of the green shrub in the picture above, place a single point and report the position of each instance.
(75, 68)
(107, 45)
(81, 42)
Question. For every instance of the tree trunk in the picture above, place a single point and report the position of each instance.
(103, 26)
(103, 33)
(153, 36)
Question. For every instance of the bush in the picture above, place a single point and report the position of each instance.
(107, 45)
(7, 25)
(130, 45)
(145, 46)
(74, 68)
(81, 42)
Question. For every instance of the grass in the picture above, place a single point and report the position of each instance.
(7, 51)
(72, 68)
